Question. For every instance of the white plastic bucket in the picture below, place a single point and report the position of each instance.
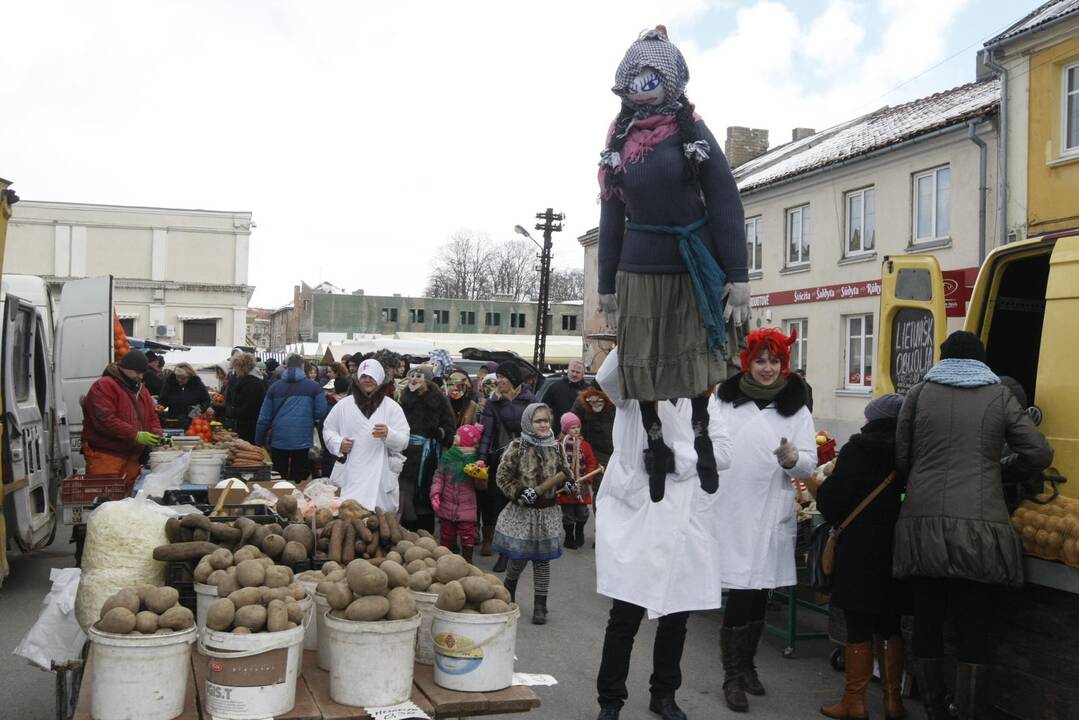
(163, 457)
(139, 676)
(204, 597)
(204, 470)
(321, 608)
(474, 653)
(371, 662)
(232, 656)
(310, 639)
(425, 603)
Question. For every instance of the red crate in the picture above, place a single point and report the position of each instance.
(84, 489)
(826, 452)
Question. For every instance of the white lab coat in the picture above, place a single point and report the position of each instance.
(758, 515)
(661, 556)
(366, 476)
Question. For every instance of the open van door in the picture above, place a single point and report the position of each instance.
(83, 349)
(912, 323)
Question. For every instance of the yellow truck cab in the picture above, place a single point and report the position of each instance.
(1025, 308)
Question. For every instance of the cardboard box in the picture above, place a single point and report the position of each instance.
(236, 496)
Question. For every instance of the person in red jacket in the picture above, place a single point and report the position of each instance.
(582, 460)
(453, 492)
(119, 421)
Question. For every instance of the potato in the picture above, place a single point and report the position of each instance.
(146, 622)
(323, 517)
(452, 597)
(250, 573)
(268, 594)
(241, 631)
(440, 551)
(324, 587)
(493, 579)
(276, 616)
(450, 567)
(252, 617)
(368, 609)
(477, 590)
(161, 599)
(295, 612)
(228, 585)
(273, 545)
(329, 566)
(231, 570)
(339, 596)
(297, 591)
(267, 562)
(200, 535)
(246, 596)
(474, 571)
(286, 507)
(427, 542)
(221, 559)
(195, 521)
(278, 576)
(430, 562)
(203, 571)
(183, 551)
(259, 535)
(416, 553)
(337, 575)
(176, 618)
(435, 588)
(141, 589)
(501, 593)
(311, 576)
(301, 534)
(398, 576)
(216, 576)
(402, 547)
(415, 566)
(172, 530)
(293, 553)
(367, 580)
(247, 552)
(402, 604)
(419, 581)
(127, 598)
(220, 614)
(118, 620)
(494, 606)
(247, 528)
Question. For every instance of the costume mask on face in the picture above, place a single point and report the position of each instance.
(596, 404)
(416, 380)
(489, 386)
(457, 386)
(646, 88)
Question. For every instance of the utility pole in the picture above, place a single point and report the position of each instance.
(551, 223)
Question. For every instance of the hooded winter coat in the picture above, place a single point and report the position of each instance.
(114, 411)
(501, 419)
(456, 490)
(291, 408)
(597, 428)
(954, 523)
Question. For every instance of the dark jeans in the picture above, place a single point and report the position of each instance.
(290, 464)
(744, 607)
(622, 626)
(972, 606)
(491, 501)
(861, 627)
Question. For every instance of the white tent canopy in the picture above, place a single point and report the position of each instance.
(561, 349)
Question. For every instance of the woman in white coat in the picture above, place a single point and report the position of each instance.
(775, 443)
(365, 428)
(662, 557)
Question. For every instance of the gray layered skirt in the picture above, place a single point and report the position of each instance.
(662, 343)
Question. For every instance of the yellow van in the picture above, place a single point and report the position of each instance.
(1024, 307)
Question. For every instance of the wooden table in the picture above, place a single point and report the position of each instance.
(313, 696)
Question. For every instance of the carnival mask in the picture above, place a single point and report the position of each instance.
(457, 386)
(646, 88)
(416, 380)
(596, 404)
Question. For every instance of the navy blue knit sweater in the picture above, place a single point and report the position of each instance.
(658, 193)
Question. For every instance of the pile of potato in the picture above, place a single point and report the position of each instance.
(1050, 531)
(356, 532)
(144, 610)
(254, 594)
(247, 567)
(195, 536)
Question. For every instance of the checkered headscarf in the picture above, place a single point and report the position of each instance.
(653, 50)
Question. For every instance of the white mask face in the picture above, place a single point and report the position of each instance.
(646, 88)
(416, 380)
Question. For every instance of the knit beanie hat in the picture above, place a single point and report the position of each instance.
(510, 371)
(772, 340)
(428, 371)
(886, 406)
(569, 421)
(963, 345)
(135, 360)
(491, 366)
(469, 435)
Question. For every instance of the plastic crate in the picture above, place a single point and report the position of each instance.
(181, 576)
(84, 489)
(258, 512)
(826, 452)
(247, 473)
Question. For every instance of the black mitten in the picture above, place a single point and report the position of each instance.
(658, 458)
(702, 443)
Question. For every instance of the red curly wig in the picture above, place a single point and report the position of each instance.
(772, 340)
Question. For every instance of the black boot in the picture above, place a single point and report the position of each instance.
(731, 641)
(570, 543)
(578, 535)
(608, 713)
(702, 443)
(929, 672)
(511, 585)
(500, 566)
(666, 708)
(971, 684)
(749, 670)
(658, 458)
(539, 610)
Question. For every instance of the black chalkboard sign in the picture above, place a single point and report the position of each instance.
(913, 345)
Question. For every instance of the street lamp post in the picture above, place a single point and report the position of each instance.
(551, 223)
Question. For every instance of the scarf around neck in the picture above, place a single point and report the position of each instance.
(961, 372)
(755, 391)
(528, 437)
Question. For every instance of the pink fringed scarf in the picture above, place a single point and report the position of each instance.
(644, 135)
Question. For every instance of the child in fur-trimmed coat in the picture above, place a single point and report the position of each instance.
(453, 492)
(581, 460)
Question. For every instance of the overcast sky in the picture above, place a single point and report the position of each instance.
(362, 134)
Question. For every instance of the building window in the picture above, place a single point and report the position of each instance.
(442, 317)
(415, 315)
(859, 352)
(861, 222)
(517, 320)
(798, 236)
(753, 243)
(800, 349)
(128, 324)
(932, 204)
(492, 319)
(389, 315)
(200, 332)
(468, 317)
(569, 322)
(1071, 109)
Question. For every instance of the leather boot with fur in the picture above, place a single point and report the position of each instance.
(731, 640)
(859, 668)
(891, 655)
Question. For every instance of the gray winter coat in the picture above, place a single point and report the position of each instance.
(954, 523)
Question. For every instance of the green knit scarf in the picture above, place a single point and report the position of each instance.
(755, 391)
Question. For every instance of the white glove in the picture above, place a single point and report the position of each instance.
(608, 305)
(786, 454)
(737, 296)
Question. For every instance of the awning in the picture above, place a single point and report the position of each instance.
(198, 317)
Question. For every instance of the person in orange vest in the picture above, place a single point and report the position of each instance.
(119, 421)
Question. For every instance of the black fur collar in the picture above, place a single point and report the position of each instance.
(790, 399)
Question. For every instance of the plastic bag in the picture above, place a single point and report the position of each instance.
(56, 636)
(166, 477)
(260, 495)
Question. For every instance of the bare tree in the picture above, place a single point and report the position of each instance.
(459, 271)
(512, 268)
(567, 284)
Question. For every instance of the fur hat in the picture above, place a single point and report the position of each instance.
(135, 360)
(772, 340)
(511, 372)
(427, 370)
(569, 420)
(963, 345)
(469, 435)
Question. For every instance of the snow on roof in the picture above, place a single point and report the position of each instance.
(1047, 13)
(880, 129)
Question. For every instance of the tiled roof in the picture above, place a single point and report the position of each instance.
(880, 129)
(1048, 12)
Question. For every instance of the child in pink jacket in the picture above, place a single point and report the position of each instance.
(453, 493)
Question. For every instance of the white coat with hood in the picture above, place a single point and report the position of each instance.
(758, 515)
(367, 475)
(661, 556)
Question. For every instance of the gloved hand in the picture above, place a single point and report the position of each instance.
(528, 497)
(737, 296)
(570, 487)
(786, 454)
(436, 503)
(147, 438)
(608, 305)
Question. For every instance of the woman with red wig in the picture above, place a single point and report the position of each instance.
(774, 443)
